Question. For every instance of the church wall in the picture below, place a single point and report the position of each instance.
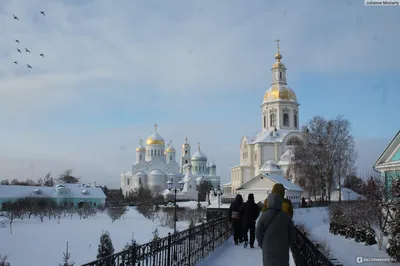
(268, 151)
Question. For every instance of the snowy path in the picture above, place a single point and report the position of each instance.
(347, 250)
(229, 254)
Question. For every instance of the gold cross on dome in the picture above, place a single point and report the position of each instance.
(155, 127)
(277, 43)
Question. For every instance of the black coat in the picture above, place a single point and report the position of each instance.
(235, 208)
(249, 212)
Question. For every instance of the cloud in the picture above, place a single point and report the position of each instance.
(113, 68)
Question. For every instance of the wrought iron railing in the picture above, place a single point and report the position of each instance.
(184, 248)
(306, 253)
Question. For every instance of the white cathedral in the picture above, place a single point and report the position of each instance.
(156, 164)
(270, 151)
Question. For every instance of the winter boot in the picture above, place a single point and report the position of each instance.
(245, 244)
(251, 245)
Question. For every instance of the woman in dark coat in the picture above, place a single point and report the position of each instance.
(235, 219)
(274, 233)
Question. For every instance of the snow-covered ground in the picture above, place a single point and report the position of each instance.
(35, 243)
(229, 254)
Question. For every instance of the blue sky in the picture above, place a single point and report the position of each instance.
(112, 69)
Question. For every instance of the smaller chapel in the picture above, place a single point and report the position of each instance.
(156, 164)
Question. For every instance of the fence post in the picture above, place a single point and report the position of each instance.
(202, 239)
(212, 235)
(169, 250)
(189, 248)
(133, 255)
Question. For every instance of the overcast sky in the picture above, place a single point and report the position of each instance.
(112, 69)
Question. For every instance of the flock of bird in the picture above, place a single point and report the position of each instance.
(26, 49)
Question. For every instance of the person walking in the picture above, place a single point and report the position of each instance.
(287, 205)
(250, 212)
(275, 231)
(235, 219)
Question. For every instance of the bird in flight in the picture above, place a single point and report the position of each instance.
(15, 17)
(28, 66)
(17, 41)
(42, 55)
(19, 51)
(15, 62)
(42, 12)
(26, 50)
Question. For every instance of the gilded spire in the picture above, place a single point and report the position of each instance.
(198, 146)
(278, 55)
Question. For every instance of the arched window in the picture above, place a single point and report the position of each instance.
(280, 75)
(293, 141)
(140, 157)
(285, 119)
(265, 122)
(127, 181)
(140, 181)
(272, 120)
(186, 161)
(295, 120)
(151, 152)
(170, 157)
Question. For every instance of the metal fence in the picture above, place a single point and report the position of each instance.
(184, 248)
(306, 253)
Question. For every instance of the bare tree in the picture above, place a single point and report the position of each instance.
(378, 207)
(13, 210)
(116, 212)
(66, 177)
(3, 261)
(5, 182)
(48, 180)
(327, 153)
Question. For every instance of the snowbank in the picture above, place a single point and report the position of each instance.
(36, 243)
(316, 220)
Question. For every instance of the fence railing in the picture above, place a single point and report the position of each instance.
(306, 253)
(183, 248)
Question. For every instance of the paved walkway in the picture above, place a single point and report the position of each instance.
(229, 254)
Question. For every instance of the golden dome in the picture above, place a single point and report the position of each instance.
(151, 141)
(140, 147)
(185, 144)
(278, 56)
(170, 148)
(279, 92)
(155, 139)
(278, 65)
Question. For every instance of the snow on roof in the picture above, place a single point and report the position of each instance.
(227, 184)
(347, 194)
(156, 172)
(271, 136)
(270, 166)
(282, 180)
(73, 191)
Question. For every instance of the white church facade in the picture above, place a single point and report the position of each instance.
(271, 150)
(156, 164)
